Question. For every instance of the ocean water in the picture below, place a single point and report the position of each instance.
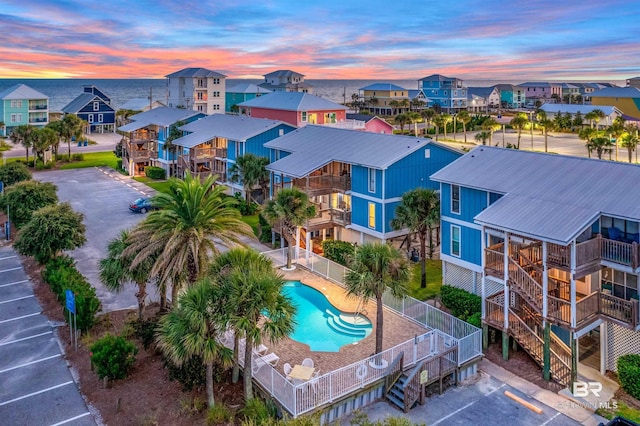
(63, 91)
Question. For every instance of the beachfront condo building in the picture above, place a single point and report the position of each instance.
(446, 93)
(197, 89)
(550, 243)
(20, 105)
(241, 93)
(355, 179)
(94, 107)
(285, 81)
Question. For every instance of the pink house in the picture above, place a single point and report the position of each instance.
(373, 123)
(296, 108)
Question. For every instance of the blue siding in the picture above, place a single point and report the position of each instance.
(231, 149)
(360, 181)
(413, 171)
(360, 213)
(255, 145)
(469, 243)
(472, 202)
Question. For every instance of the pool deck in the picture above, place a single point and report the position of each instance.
(396, 328)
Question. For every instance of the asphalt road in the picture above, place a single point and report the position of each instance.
(36, 386)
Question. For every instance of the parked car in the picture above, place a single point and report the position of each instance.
(141, 205)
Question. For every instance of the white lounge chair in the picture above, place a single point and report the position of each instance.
(307, 362)
(287, 368)
(261, 350)
(260, 361)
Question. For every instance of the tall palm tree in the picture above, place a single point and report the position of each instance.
(22, 135)
(72, 127)
(629, 140)
(438, 121)
(251, 293)
(374, 268)
(401, 119)
(183, 233)
(414, 118)
(546, 125)
(465, 118)
(57, 127)
(41, 140)
(446, 119)
(251, 170)
(600, 145)
(394, 104)
(594, 116)
(428, 115)
(482, 137)
(289, 210)
(490, 125)
(115, 270)
(519, 122)
(193, 329)
(419, 211)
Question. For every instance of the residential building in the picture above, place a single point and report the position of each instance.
(286, 81)
(542, 91)
(212, 144)
(94, 107)
(550, 242)
(570, 93)
(481, 99)
(19, 105)
(240, 93)
(372, 123)
(141, 104)
(355, 179)
(446, 93)
(144, 139)
(633, 82)
(511, 96)
(385, 98)
(611, 112)
(198, 89)
(418, 95)
(296, 108)
(626, 99)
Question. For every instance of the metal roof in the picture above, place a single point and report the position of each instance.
(283, 73)
(364, 117)
(483, 92)
(21, 91)
(617, 92)
(312, 147)
(575, 108)
(81, 101)
(195, 72)
(382, 86)
(162, 116)
(292, 101)
(234, 127)
(438, 77)
(247, 88)
(559, 187)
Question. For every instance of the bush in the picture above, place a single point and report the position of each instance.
(24, 198)
(119, 164)
(61, 275)
(77, 157)
(219, 414)
(113, 356)
(258, 411)
(629, 374)
(49, 165)
(462, 304)
(145, 331)
(39, 165)
(265, 235)
(246, 208)
(13, 173)
(154, 172)
(190, 374)
(338, 251)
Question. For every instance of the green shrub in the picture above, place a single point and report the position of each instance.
(246, 208)
(338, 251)
(154, 172)
(61, 275)
(265, 235)
(113, 356)
(119, 164)
(24, 198)
(191, 374)
(13, 173)
(475, 319)
(77, 157)
(461, 303)
(629, 374)
(49, 165)
(39, 165)
(258, 411)
(145, 331)
(219, 414)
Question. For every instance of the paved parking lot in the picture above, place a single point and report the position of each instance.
(103, 196)
(36, 387)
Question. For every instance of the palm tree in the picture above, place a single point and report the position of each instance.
(374, 268)
(251, 170)
(546, 125)
(446, 119)
(519, 122)
(251, 293)
(482, 137)
(428, 115)
(22, 135)
(595, 116)
(600, 145)
(438, 120)
(414, 118)
(183, 233)
(72, 127)
(394, 104)
(116, 271)
(174, 133)
(57, 127)
(401, 119)
(41, 140)
(587, 134)
(193, 329)
(465, 118)
(629, 140)
(417, 104)
(419, 211)
(289, 209)
(490, 125)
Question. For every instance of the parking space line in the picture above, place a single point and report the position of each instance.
(29, 363)
(14, 283)
(551, 419)
(454, 413)
(21, 317)
(11, 269)
(17, 298)
(26, 338)
(496, 389)
(35, 393)
(71, 419)
(8, 257)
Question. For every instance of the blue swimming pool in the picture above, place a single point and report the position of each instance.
(319, 324)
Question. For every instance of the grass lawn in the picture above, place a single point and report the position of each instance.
(434, 280)
(252, 221)
(623, 410)
(93, 159)
(158, 185)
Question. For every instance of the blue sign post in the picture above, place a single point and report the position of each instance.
(70, 303)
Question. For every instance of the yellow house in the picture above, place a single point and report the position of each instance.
(626, 99)
(379, 98)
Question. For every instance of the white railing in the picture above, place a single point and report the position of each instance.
(467, 337)
(348, 124)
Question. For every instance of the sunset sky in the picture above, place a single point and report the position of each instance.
(351, 39)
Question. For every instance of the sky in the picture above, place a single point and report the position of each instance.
(347, 39)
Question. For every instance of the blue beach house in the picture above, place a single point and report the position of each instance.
(445, 93)
(145, 139)
(20, 105)
(94, 107)
(355, 179)
(551, 244)
(212, 144)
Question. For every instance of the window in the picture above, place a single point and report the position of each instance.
(372, 215)
(216, 94)
(13, 103)
(216, 81)
(19, 118)
(13, 118)
(455, 199)
(371, 178)
(90, 118)
(200, 108)
(304, 117)
(455, 240)
(96, 106)
(620, 284)
(100, 118)
(216, 107)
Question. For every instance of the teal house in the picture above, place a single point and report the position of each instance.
(19, 105)
(242, 92)
(511, 96)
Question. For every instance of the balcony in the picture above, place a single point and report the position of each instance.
(37, 107)
(142, 136)
(590, 253)
(206, 153)
(328, 218)
(38, 120)
(140, 152)
(347, 124)
(323, 184)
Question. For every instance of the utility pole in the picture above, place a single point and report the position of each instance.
(150, 97)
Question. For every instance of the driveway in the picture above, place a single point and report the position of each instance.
(103, 196)
(36, 386)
